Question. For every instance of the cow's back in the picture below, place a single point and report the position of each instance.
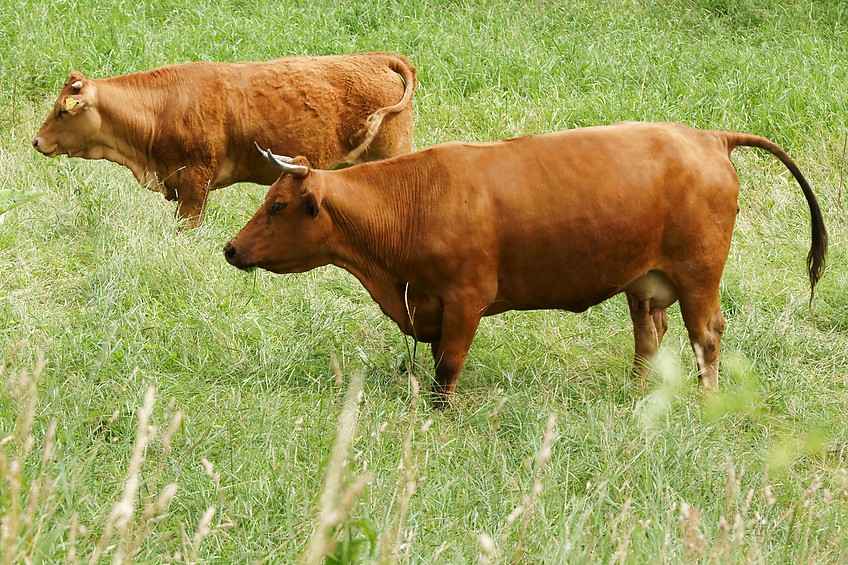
(312, 106)
(308, 106)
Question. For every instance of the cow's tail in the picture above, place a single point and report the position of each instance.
(368, 132)
(818, 247)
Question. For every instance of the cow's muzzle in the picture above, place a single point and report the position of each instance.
(40, 146)
(235, 258)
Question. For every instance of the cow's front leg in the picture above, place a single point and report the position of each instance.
(192, 194)
(459, 324)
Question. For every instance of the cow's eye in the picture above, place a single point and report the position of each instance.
(279, 206)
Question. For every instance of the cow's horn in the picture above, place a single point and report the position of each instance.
(77, 85)
(284, 163)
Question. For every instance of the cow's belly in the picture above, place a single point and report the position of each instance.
(557, 263)
(578, 290)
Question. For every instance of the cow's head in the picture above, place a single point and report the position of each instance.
(288, 234)
(74, 121)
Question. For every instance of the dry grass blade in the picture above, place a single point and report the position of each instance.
(390, 541)
(337, 501)
(487, 550)
(842, 170)
(692, 530)
(204, 528)
(10, 522)
(542, 459)
(120, 518)
(23, 389)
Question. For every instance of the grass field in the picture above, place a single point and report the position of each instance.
(137, 359)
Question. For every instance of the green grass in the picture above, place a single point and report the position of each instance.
(95, 278)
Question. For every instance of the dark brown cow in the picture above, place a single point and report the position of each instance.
(187, 129)
(445, 236)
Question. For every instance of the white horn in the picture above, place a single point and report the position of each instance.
(284, 163)
(77, 85)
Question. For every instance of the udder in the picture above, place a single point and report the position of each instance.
(654, 288)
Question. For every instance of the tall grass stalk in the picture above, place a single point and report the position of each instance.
(408, 469)
(337, 499)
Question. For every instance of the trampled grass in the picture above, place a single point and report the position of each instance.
(96, 280)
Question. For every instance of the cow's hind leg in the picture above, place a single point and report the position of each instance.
(650, 323)
(705, 324)
(648, 297)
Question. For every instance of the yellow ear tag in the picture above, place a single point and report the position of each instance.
(70, 103)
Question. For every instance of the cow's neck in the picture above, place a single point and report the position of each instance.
(369, 241)
(128, 116)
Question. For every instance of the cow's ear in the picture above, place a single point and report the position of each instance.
(312, 203)
(75, 81)
(73, 105)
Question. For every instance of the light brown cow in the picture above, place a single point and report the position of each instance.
(187, 129)
(445, 236)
